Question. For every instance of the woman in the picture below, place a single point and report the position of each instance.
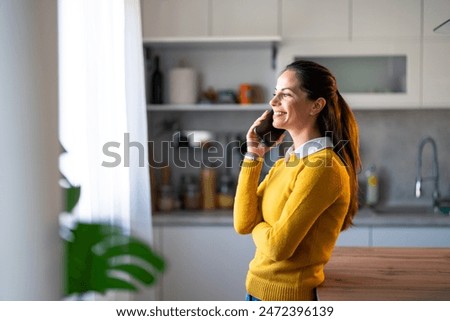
(297, 212)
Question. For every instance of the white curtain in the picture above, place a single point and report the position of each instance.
(102, 101)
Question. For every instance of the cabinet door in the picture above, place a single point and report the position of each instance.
(354, 236)
(436, 74)
(411, 236)
(315, 19)
(435, 12)
(386, 18)
(384, 87)
(205, 263)
(174, 18)
(244, 18)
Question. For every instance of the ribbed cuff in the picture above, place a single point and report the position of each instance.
(252, 164)
(271, 291)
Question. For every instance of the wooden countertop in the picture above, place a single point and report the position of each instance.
(387, 274)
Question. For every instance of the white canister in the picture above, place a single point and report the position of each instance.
(183, 86)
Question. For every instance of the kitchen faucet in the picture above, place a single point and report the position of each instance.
(435, 172)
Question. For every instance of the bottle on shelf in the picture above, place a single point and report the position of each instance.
(372, 186)
(157, 83)
(208, 188)
(190, 193)
(165, 202)
(148, 75)
(225, 192)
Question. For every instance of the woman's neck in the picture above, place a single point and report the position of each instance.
(303, 136)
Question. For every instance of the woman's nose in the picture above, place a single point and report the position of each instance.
(274, 100)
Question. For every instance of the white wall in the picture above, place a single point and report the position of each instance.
(30, 248)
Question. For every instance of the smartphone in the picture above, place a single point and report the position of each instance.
(266, 132)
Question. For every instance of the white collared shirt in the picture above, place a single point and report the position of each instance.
(310, 147)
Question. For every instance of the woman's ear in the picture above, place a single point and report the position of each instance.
(318, 106)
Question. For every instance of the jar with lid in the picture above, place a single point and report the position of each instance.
(225, 192)
(165, 200)
(190, 193)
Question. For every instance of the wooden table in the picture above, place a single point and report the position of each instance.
(388, 274)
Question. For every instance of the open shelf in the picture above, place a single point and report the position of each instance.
(208, 107)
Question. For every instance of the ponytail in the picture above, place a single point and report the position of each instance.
(349, 153)
(336, 120)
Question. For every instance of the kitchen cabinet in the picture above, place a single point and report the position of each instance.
(386, 19)
(315, 19)
(435, 12)
(204, 263)
(436, 53)
(373, 74)
(249, 18)
(208, 260)
(174, 18)
(355, 236)
(411, 236)
(436, 73)
(209, 20)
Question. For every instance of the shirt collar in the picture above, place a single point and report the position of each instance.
(310, 147)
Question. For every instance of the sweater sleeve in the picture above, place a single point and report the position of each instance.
(247, 212)
(315, 189)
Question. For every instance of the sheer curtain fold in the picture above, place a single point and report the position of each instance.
(102, 101)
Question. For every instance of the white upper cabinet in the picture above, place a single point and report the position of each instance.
(209, 20)
(174, 18)
(436, 74)
(436, 55)
(315, 19)
(386, 19)
(242, 18)
(435, 12)
(370, 74)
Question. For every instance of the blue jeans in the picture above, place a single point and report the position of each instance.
(250, 297)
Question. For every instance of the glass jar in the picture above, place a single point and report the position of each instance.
(165, 199)
(225, 193)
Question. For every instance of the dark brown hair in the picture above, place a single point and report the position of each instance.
(336, 120)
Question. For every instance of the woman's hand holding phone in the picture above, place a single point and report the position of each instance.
(260, 135)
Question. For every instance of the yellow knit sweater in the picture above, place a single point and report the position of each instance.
(295, 216)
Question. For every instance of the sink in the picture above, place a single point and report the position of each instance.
(444, 206)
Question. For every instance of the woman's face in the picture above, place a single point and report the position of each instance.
(291, 106)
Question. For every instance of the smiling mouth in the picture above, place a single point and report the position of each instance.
(279, 113)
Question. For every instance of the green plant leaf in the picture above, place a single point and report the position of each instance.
(117, 284)
(136, 272)
(90, 254)
(137, 249)
(72, 197)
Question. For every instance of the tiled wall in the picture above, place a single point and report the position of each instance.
(390, 140)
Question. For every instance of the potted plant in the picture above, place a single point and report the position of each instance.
(101, 257)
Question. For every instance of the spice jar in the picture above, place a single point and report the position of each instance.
(225, 194)
(165, 199)
(192, 197)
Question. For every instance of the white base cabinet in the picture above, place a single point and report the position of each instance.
(355, 236)
(204, 263)
(210, 263)
(411, 237)
(395, 236)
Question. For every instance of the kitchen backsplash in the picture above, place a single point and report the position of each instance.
(390, 141)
